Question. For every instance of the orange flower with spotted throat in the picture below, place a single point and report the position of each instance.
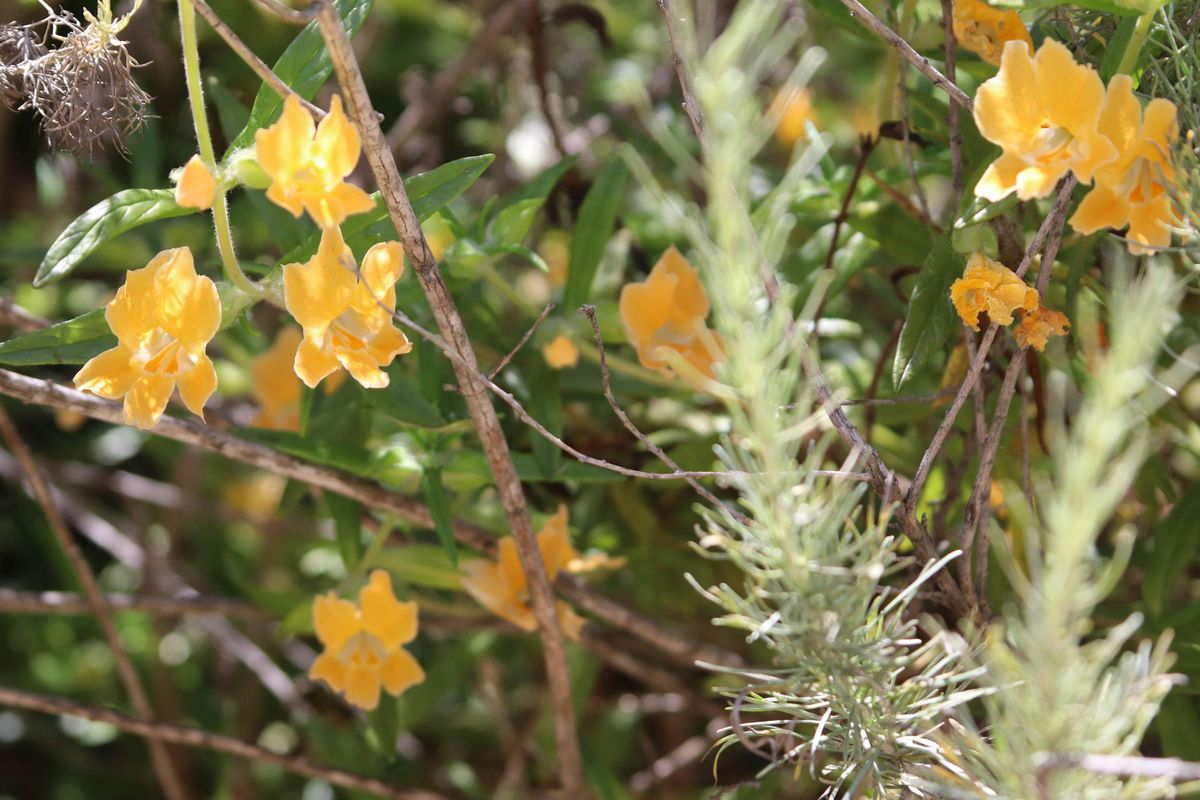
(985, 30)
(1133, 190)
(500, 587)
(1044, 112)
(989, 286)
(308, 163)
(347, 317)
(666, 312)
(163, 317)
(363, 652)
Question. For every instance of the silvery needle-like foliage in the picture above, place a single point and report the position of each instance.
(1062, 691)
(857, 692)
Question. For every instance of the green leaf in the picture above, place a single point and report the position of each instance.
(1176, 542)
(1178, 724)
(537, 189)
(545, 404)
(529, 470)
(70, 342)
(347, 523)
(1105, 6)
(429, 192)
(402, 401)
(106, 220)
(422, 565)
(352, 459)
(1115, 52)
(435, 498)
(931, 318)
(597, 217)
(510, 226)
(304, 66)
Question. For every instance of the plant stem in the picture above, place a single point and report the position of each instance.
(1134, 47)
(220, 210)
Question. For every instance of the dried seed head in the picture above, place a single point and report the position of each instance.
(83, 90)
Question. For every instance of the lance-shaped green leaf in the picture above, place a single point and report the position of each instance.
(439, 509)
(931, 318)
(106, 220)
(597, 217)
(304, 66)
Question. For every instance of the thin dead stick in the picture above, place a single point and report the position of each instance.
(13, 316)
(919, 61)
(194, 737)
(899, 401)
(906, 205)
(369, 493)
(690, 105)
(906, 137)
(296, 16)
(13, 601)
(164, 768)
(474, 390)
(504, 362)
(247, 55)
(589, 311)
(956, 167)
(1141, 766)
(424, 113)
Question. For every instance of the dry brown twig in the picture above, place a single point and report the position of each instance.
(690, 105)
(168, 777)
(13, 601)
(159, 733)
(956, 167)
(504, 362)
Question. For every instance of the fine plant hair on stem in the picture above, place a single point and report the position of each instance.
(1059, 691)
(856, 688)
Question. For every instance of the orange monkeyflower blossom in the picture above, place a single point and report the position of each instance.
(163, 317)
(1037, 326)
(667, 311)
(274, 383)
(500, 587)
(196, 186)
(347, 318)
(989, 286)
(362, 643)
(561, 352)
(794, 110)
(1044, 112)
(1133, 190)
(307, 163)
(985, 30)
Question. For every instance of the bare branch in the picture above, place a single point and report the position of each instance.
(690, 104)
(956, 167)
(504, 362)
(158, 732)
(13, 601)
(164, 768)
(286, 13)
(1141, 766)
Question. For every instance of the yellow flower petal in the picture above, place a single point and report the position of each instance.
(381, 267)
(327, 667)
(196, 185)
(1150, 226)
(147, 399)
(554, 542)
(362, 368)
(314, 361)
(283, 148)
(1007, 107)
(319, 291)
(392, 622)
(198, 384)
(132, 314)
(561, 352)
(335, 620)
(109, 374)
(189, 305)
(401, 672)
(274, 383)
(1101, 208)
(336, 147)
(362, 686)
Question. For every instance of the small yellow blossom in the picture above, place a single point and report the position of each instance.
(163, 318)
(985, 30)
(308, 163)
(1133, 190)
(793, 107)
(1036, 327)
(992, 287)
(275, 385)
(68, 421)
(561, 352)
(1044, 112)
(347, 318)
(196, 185)
(257, 495)
(667, 311)
(362, 643)
(500, 587)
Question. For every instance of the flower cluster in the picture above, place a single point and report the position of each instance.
(1053, 117)
(664, 316)
(987, 286)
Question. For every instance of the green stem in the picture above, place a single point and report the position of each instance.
(1134, 47)
(220, 210)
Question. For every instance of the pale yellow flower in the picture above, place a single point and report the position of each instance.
(985, 30)
(163, 317)
(500, 587)
(561, 352)
(196, 186)
(992, 287)
(363, 652)
(794, 110)
(1037, 326)
(667, 311)
(347, 317)
(308, 163)
(1133, 190)
(1044, 112)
